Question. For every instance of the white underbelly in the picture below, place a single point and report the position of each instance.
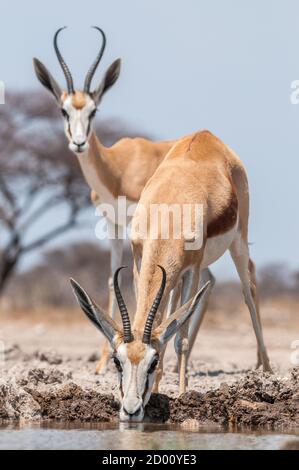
(217, 246)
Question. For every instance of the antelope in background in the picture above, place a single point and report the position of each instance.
(198, 169)
(120, 170)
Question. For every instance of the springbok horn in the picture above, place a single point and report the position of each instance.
(128, 336)
(95, 64)
(65, 69)
(151, 316)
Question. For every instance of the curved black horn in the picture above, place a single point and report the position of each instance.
(95, 64)
(128, 337)
(151, 316)
(65, 69)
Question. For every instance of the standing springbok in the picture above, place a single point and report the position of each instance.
(198, 170)
(121, 170)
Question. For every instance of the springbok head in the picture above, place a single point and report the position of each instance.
(135, 355)
(78, 107)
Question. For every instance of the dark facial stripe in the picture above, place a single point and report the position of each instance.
(88, 127)
(121, 386)
(69, 129)
(145, 389)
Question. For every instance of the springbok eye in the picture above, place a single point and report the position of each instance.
(92, 114)
(117, 364)
(64, 114)
(153, 365)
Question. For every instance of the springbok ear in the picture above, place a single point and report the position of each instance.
(95, 314)
(46, 79)
(171, 325)
(109, 79)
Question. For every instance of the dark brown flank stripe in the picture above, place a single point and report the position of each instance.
(226, 220)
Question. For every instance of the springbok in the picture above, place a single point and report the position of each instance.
(199, 169)
(120, 170)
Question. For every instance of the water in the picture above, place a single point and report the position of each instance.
(141, 436)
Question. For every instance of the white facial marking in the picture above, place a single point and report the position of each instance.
(78, 123)
(135, 382)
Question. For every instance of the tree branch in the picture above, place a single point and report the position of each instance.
(48, 204)
(7, 192)
(50, 236)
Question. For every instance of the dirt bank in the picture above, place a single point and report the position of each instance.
(45, 385)
(49, 363)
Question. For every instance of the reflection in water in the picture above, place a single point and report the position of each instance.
(134, 436)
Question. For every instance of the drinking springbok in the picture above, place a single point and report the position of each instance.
(198, 170)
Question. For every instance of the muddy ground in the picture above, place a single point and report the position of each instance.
(49, 363)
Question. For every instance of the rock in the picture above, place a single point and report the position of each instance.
(16, 403)
(250, 405)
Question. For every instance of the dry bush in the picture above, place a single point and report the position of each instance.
(47, 284)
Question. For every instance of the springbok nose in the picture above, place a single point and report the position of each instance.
(136, 412)
(81, 144)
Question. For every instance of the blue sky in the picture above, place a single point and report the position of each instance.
(224, 65)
